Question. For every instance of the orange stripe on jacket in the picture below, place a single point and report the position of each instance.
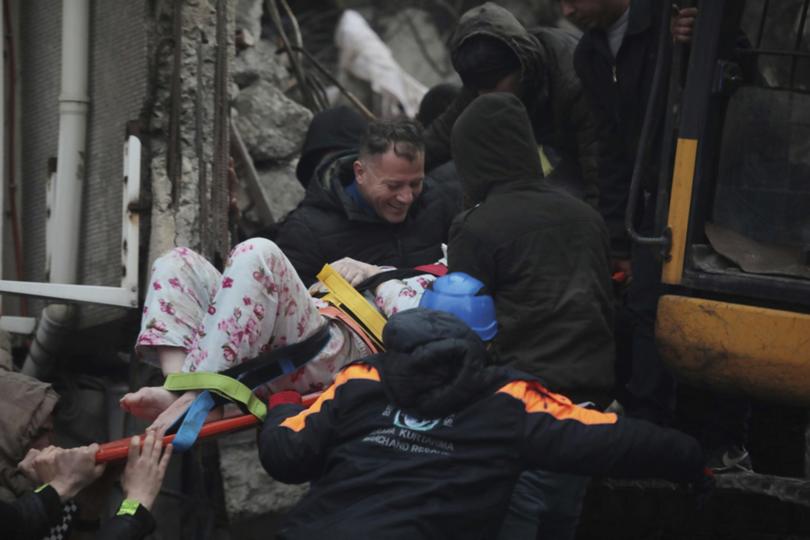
(358, 371)
(537, 399)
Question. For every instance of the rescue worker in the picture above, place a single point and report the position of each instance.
(28, 460)
(63, 473)
(492, 51)
(375, 206)
(543, 255)
(424, 441)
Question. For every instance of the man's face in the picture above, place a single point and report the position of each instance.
(390, 183)
(589, 14)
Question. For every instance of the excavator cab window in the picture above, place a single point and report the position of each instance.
(749, 228)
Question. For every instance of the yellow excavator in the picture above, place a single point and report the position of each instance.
(733, 209)
(737, 260)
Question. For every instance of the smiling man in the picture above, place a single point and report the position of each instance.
(374, 205)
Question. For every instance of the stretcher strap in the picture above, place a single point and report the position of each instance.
(220, 384)
(344, 297)
(192, 421)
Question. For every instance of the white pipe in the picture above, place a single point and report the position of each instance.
(70, 164)
(57, 320)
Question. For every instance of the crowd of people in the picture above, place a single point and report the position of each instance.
(486, 231)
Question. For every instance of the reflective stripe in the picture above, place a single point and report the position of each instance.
(352, 372)
(537, 399)
(128, 507)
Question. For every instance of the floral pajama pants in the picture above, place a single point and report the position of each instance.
(221, 320)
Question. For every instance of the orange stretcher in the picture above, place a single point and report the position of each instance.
(118, 450)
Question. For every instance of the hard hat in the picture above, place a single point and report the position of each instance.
(460, 294)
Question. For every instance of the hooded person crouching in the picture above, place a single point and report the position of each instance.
(425, 441)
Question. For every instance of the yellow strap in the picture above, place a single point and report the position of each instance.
(223, 385)
(345, 297)
(545, 163)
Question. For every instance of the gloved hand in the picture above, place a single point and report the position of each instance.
(354, 271)
(284, 397)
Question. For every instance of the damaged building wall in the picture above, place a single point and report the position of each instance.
(188, 128)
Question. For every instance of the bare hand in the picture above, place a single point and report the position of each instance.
(68, 471)
(355, 272)
(146, 468)
(683, 23)
(27, 466)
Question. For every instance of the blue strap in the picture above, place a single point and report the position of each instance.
(192, 421)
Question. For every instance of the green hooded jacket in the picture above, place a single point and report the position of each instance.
(541, 253)
(560, 115)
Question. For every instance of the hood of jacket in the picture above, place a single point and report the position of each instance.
(493, 143)
(492, 20)
(337, 129)
(433, 365)
(26, 404)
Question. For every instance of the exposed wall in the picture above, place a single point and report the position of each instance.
(188, 168)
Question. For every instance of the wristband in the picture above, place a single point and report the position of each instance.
(128, 507)
(40, 488)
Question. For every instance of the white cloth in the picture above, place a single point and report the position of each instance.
(363, 54)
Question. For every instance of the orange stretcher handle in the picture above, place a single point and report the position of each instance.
(119, 449)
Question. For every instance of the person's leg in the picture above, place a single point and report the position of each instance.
(181, 286)
(544, 505)
(260, 304)
(257, 304)
(651, 386)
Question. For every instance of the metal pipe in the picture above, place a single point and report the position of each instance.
(57, 319)
(54, 326)
(70, 164)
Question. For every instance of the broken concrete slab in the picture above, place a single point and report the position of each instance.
(259, 63)
(272, 125)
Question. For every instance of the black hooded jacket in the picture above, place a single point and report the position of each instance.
(423, 442)
(618, 89)
(561, 118)
(328, 225)
(541, 253)
(332, 130)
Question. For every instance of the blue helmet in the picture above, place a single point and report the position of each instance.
(460, 294)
